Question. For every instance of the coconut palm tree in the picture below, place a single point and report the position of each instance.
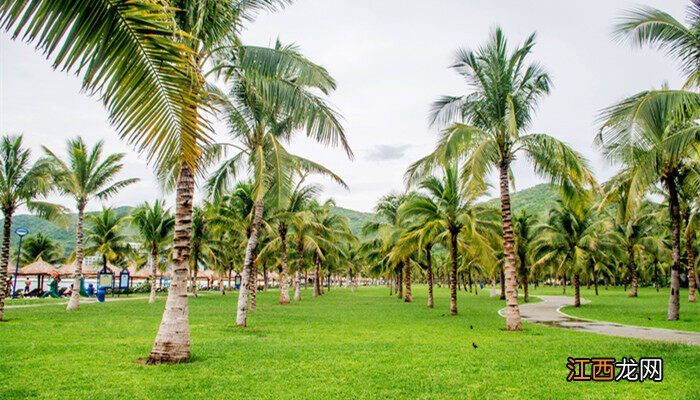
(647, 26)
(448, 209)
(154, 223)
(21, 184)
(38, 246)
(487, 128)
(105, 237)
(260, 122)
(84, 176)
(657, 140)
(523, 224)
(571, 238)
(330, 232)
(200, 250)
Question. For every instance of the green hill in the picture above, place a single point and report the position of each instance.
(535, 200)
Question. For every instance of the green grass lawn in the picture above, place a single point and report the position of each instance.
(648, 309)
(340, 346)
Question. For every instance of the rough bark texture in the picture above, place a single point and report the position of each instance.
(284, 285)
(429, 267)
(242, 308)
(691, 268)
(577, 291)
(265, 283)
(399, 284)
(513, 322)
(74, 301)
(673, 300)
(300, 260)
(453, 273)
(633, 271)
(172, 343)
(4, 260)
(317, 276)
(153, 262)
(409, 297)
(503, 285)
(253, 283)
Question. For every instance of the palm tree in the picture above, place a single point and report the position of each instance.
(154, 224)
(446, 208)
(572, 238)
(85, 176)
(21, 184)
(261, 121)
(38, 246)
(105, 237)
(523, 224)
(494, 118)
(199, 245)
(421, 238)
(656, 28)
(690, 210)
(657, 140)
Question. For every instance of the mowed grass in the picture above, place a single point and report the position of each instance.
(340, 346)
(648, 309)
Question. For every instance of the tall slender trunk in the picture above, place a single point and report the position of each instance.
(284, 285)
(469, 278)
(242, 308)
(74, 301)
(172, 344)
(195, 269)
(254, 283)
(329, 280)
(513, 322)
(300, 259)
(503, 285)
(453, 274)
(633, 270)
(526, 284)
(595, 283)
(656, 275)
(399, 284)
(265, 278)
(674, 208)
(577, 291)
(691, 267)
(153, 262)
(317, 276)
(409, 297)
(5, 259)
(429, 267)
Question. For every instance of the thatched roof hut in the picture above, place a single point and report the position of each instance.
(38, 267)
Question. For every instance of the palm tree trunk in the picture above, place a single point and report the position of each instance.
(284, 285)
(503, 285)
(399, 284)
(329, 280)
(242, 308)
(195, 269)
(577, 291)
(153, 261)
(300, 259)
(74, 301)
(453, 274)
(172, 343)
(429, 264)
(317, 276)
(526, 284)
(595, 283)
(5, 259)
(633, 270)
(409, 297)
(691, 267)
(265, 279)
(253, 282)
(513, 322)
(656, 276)
(674, 208)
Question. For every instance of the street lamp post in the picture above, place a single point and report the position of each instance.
(21, 232)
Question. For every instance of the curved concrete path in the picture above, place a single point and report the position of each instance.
(548, 313)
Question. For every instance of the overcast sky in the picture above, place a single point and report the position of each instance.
(390, 59)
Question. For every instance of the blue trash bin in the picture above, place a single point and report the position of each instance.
(101, 292)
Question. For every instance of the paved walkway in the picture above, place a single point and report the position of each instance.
(548, 313)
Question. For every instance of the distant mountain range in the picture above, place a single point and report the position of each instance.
(536, 200)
